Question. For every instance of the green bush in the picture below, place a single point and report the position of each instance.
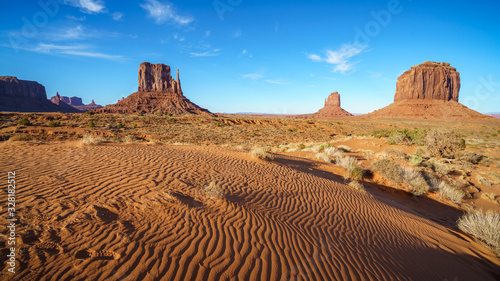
(415, 160)
(24, 122)
(53, 123)
(120, 126)
(407, 137)
(90, 112)
(91, 124)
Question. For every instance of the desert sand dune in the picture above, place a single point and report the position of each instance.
(136, 212)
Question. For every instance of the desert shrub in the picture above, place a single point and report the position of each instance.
(120, 126)
(213, 192)
(439, 167)
(415, 181)
(407, 137)
(128, 139)
(415, 160)
(351, 165)
(333, 153)
(357, 185)
(323, 156)
(134, 125)
(489, 196)
(21, 137)
(90, 112)
(159, 113)
(261, 154)
(388, 169)
(483, 226)
(53, 123)
(443, 142)
(323, 146)
(344, 148)
(24, 122)
(89, 139)
(397, 153)
(301, 146)
(483, 180)
(91, 124)
(173, 120)
(470, 157)
(453, 194)
(170, 114)
(382, 133)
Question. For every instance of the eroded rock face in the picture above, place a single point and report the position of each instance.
(333, 100)
(11, 86)
(156, 78)
(157, 91)
(429, 81)
(332, 108)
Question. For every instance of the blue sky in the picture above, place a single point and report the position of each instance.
(282, 57)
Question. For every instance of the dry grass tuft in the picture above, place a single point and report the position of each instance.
(483, 180)
(21, 137)
(213, 192)
(443, 142)
(397, 153)
(357, 185)
(483, 226)
(453, 194)
(89, 139)
(261, 154)
(489, 196)
(415, 181)
(344, 148)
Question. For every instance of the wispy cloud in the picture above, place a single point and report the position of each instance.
(340, 57)
(279, 82)
(213, 53)
(74, 50)
(117, 16)
(246, 53)
(71, 17)
(375, 74)
(237, 34)
(253, 76)
(88, 6)
(164, 13)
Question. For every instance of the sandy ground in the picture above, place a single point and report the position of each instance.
(134, 212)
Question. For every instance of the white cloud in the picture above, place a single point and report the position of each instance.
(207, 33)
(340, 57)
(237, 34)
(253, 76)
(75, 50)
(88, 6)
(70, 17)
(244, 52)
(213, 53)
(117, 16)
(164, 13)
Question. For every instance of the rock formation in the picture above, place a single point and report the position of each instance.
(429, 81)
(27, 96)
(75, 102)
(332, 108)
(157, 91)
(427, 91)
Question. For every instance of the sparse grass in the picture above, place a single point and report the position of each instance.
(344, 148)
(397, 153)
(213, 192)
(483, 226)
(322, 146)
(261, 154)
(357, 185)
(415, 160)
(453, 194)
(24, 122)
(351, 165)
(21, 137)
(443, 142)
(89, 139)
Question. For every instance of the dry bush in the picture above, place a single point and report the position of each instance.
(483, 180)
(89, 139)
(416, 160)
(357, 185)
(323, 156)
(415, 181)
(323, 146)
(261, 154)
(128, 139)
(388, 169)
(453, 194)
(483, 226)
(397, 153)
(333, 153)
(470, 157)
(440, 168)
(489, 196)
(212, 191)
(443, 142)
(21, 137)
(344, 148)
(351, 165)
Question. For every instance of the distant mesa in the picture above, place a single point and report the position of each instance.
(27, 96)
(157, 91)
(75, 102)
(428, 91)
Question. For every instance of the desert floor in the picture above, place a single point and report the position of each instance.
(138, 210)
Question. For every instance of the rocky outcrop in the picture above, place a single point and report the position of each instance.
(429, 81)
(27, 96)
(75, 102)
(157, 91)
(427, 91)
(332, 108)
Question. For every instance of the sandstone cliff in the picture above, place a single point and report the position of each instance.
(75, 102)
(157, 91)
